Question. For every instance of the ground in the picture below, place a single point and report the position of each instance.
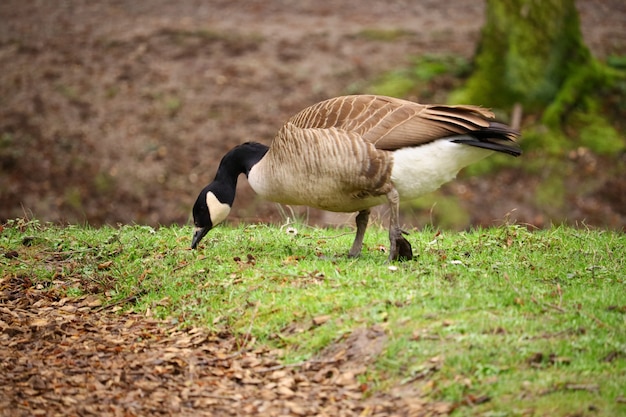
(72, 356)
(119, 111)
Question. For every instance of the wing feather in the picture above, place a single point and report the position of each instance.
(390, 123)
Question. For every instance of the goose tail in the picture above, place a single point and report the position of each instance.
(496, 137)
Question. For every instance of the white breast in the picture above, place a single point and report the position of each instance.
(422, 169)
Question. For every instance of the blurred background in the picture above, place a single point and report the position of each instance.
(119, 111)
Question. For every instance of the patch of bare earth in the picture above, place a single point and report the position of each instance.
(119, 111)
(62, 356)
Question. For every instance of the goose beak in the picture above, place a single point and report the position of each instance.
(198, 234)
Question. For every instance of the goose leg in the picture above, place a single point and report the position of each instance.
(361, 224)
(399, 247)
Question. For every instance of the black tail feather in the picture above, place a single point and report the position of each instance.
(497, 137)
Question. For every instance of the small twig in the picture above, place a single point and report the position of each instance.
(247, 338)
(517, 291)
(287, 223)
(594, 318)
(69, 252)
(226, 358)
(335, 236)
(516, 116)
(583, 387)
(554, 306)
(422, 374)
(220, 397)
(297, 365)
(128, 299)
(180, 267)
(7, 311)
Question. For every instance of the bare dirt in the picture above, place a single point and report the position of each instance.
(118, 111)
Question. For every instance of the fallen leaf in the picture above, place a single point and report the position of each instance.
(319, 320)
(69, 308)
(345, 378)
(39, 322)
(284, 391)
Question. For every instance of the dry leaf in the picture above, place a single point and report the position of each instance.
(319, 320)
(67, 358)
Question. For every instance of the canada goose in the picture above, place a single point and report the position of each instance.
(351, 153)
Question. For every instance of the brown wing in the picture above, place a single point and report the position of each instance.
(391, 123)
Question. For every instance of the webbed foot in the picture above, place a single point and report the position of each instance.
(400, 249)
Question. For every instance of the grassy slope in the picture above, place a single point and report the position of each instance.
(518, 321)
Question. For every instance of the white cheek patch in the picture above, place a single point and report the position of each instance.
(217, 210)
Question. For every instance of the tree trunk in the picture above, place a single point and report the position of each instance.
(532, 53)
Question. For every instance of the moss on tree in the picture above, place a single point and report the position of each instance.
(532, 53)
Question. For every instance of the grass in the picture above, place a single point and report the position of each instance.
(511, 321)
(425, 77)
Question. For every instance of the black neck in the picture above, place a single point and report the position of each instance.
(238, 160)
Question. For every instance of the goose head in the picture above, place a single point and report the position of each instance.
(209, 211)
(216, 199)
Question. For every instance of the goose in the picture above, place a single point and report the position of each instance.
(351, 153)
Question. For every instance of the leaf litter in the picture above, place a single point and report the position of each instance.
(72, 356)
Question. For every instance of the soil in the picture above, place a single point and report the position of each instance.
(119, 111)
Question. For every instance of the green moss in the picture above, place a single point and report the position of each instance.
(73, 198)
(492, 164)
(579, 90)
(550, 194)
(599, 136)
(112, 91)
(617, 61)
(385, 35)
(423, 71)
(551, 73)
(103, 182)
(547, 141)
(518, 63)
(443, 210)
(7, 141)
(395, 83)
(428, 67)
(173, 104)
(67, 91)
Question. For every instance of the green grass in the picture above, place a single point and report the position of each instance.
(425, 77)
(520, 322)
